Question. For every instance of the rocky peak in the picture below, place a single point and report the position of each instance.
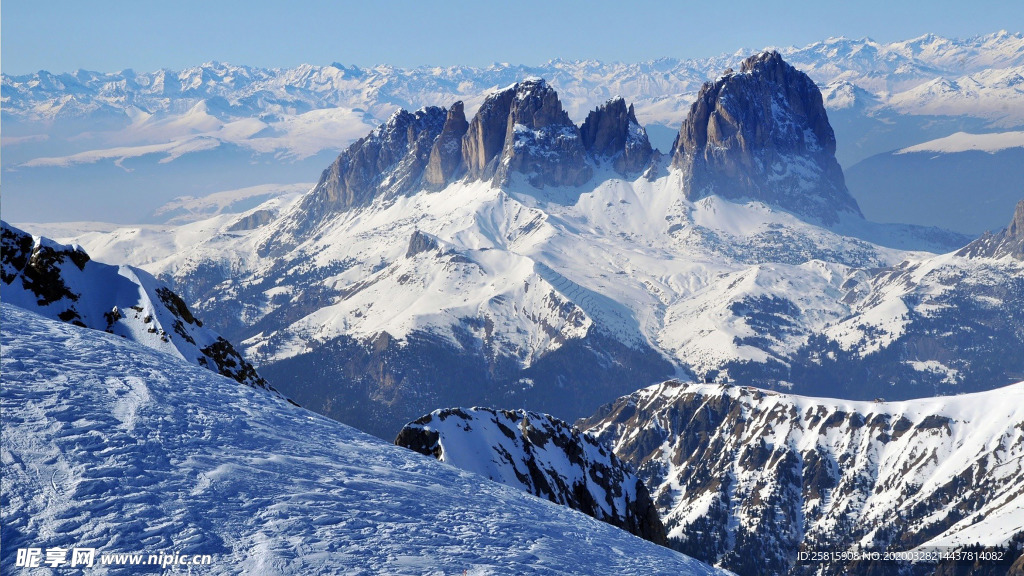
(541, 142)
(520, 129)
(1008, 242)
(420, 242)
(612, 132)
(763, 134)
(523, 129)
(446, 153)
(389, 161)
(541, 455)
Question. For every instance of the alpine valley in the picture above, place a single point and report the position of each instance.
(755, 369)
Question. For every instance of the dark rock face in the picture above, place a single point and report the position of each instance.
(523, 129)
(540, 455)
(446, 153)
(611, 132)
(485, 138)
(388, 162)
(1008, 242)
(420, 242)
(763, 134)
(541, 142)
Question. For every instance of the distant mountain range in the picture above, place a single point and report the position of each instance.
(231, 126)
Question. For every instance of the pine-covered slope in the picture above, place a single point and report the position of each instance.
(111, 445)
(746, 478)
(542, 456)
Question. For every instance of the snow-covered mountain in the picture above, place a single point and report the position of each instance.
(542, 456)
(63, 283)
(271, 95)
(236, 126)
(113, 446)
(428, 270)
(747, 478)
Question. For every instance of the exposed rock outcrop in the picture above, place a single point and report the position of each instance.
(1008, 242)
(61, 282)
(540, 455)
(389, 161)
(612, 133)
(420, 242)
(485, 137)
(446, 153)
(541, 142)
(763, 134)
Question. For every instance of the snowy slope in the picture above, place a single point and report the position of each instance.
(540, 455)
(517, 276)
(63, 282)
(108, 444)
(962, 142)
(737, 471)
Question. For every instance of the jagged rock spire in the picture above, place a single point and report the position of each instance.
(611, 132)
(537, 139)
(446, 153)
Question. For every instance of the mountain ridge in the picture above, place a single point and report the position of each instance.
(64, 283)
(744, 478)
(540, 455)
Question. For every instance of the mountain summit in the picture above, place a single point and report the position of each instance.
(763, 134)
(612, 132)
(534, 135)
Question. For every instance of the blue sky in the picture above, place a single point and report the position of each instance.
(107, 35)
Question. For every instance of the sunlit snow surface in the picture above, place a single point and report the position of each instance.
(962, 142)
(111, 445)
(948, 470)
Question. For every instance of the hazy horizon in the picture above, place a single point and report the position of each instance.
(65, 36)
